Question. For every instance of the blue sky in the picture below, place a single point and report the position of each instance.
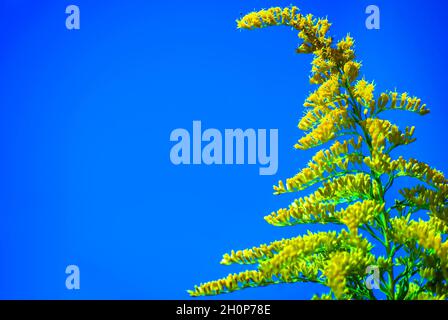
(86, 116)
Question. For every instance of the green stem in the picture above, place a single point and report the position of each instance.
(384, 217)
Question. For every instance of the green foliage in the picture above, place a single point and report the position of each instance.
(355, 173)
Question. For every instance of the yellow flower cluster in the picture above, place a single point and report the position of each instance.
(440, 225)
(356, 172)
(359, 213)
(384, 263)
(256, 254)
(382, 163)
(436, 201)
(343, 189)
(435, 289)
(364, 92)
(302, 213)
(302, 269)
(324, 296)
(271, 17)
(300, 246)
(420, 170)
(328, 61)
(313, 117)
(381, 131)
(415, 293)
(428, 273)
(424, 197)
(323, 100)
(327, 116)
(331, 126)
(338, 156)
(395, 101)
(310, 244)
(429, 236)
(351, 71)
(379, 162)
(312, 31)
(343, 263)
(322, 67)
(430, 296)
(232, 282)
(346, 52)
(348, 187)
(425, 234)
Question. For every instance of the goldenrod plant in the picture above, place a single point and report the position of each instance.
(353, 175)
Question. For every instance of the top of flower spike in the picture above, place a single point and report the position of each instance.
(312, 31)
(269, 17)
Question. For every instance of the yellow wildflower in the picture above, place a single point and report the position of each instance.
(354, 175)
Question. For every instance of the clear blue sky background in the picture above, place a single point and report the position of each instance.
(85, 120)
